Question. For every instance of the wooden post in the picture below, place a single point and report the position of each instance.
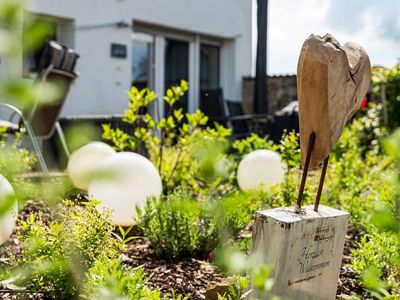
(305, 250)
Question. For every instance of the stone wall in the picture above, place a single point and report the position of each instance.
(281, 91)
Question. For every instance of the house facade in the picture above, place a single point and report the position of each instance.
(152, 43)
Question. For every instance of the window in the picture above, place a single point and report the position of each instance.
(209, 67)
(142, 60)
(176, 68)
(162, 57)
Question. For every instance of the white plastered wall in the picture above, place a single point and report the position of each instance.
(103, 80)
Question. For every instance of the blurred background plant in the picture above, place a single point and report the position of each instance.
(386, 85)
(14, 160)
(378, 258)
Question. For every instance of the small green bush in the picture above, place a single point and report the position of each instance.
(14, 160)
(252, 143)
(389, 79)
(381, 251)
(178, 226)
(235, 211)
(110, 279)
(289, 149)
(56, 255)
(181, 226)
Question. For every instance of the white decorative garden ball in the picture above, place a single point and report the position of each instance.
(84, 160)
(122, 182)
(7, 218)
(260, 167)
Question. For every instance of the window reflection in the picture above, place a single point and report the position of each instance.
(209, 67)
(142, 60)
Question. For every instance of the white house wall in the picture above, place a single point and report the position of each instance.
(103, 80)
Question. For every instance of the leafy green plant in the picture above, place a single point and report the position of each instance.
(178, 226)
(378, 259)
(78, 256)
(235, 211)
(14, 160)
(182, 226)
(110, 279)
(170, 142)
(252, 143)
(377, 287)
(381, 251)
(392, 148)
(289, 149)
(389, 79)
(363, 135)
(57, 254)
(358, 181)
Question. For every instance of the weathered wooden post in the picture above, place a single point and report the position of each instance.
(304, 245)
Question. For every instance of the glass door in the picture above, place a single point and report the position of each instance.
(209, 67)
(142, 60)
(176, 68)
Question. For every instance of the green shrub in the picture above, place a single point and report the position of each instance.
(235, 211)
(381, 251)
(362, 135)
(390, 80)
(181, 226)
(252, 143)
(357, 177)
(359, 181)
(178, 227)
(289, 149)
(110, 279)
(173, 151)
(14, 160)
(56, 255)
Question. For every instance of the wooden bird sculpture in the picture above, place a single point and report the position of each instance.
(332, 80)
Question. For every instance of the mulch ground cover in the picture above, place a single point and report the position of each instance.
(185, 276)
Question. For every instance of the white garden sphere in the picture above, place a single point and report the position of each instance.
(260, 167)
(8, 218)
(125, 181)
(84, 160)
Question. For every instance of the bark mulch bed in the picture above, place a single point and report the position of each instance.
(190, 276)
(185, 276)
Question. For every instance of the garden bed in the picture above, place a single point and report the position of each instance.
(183, 276)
